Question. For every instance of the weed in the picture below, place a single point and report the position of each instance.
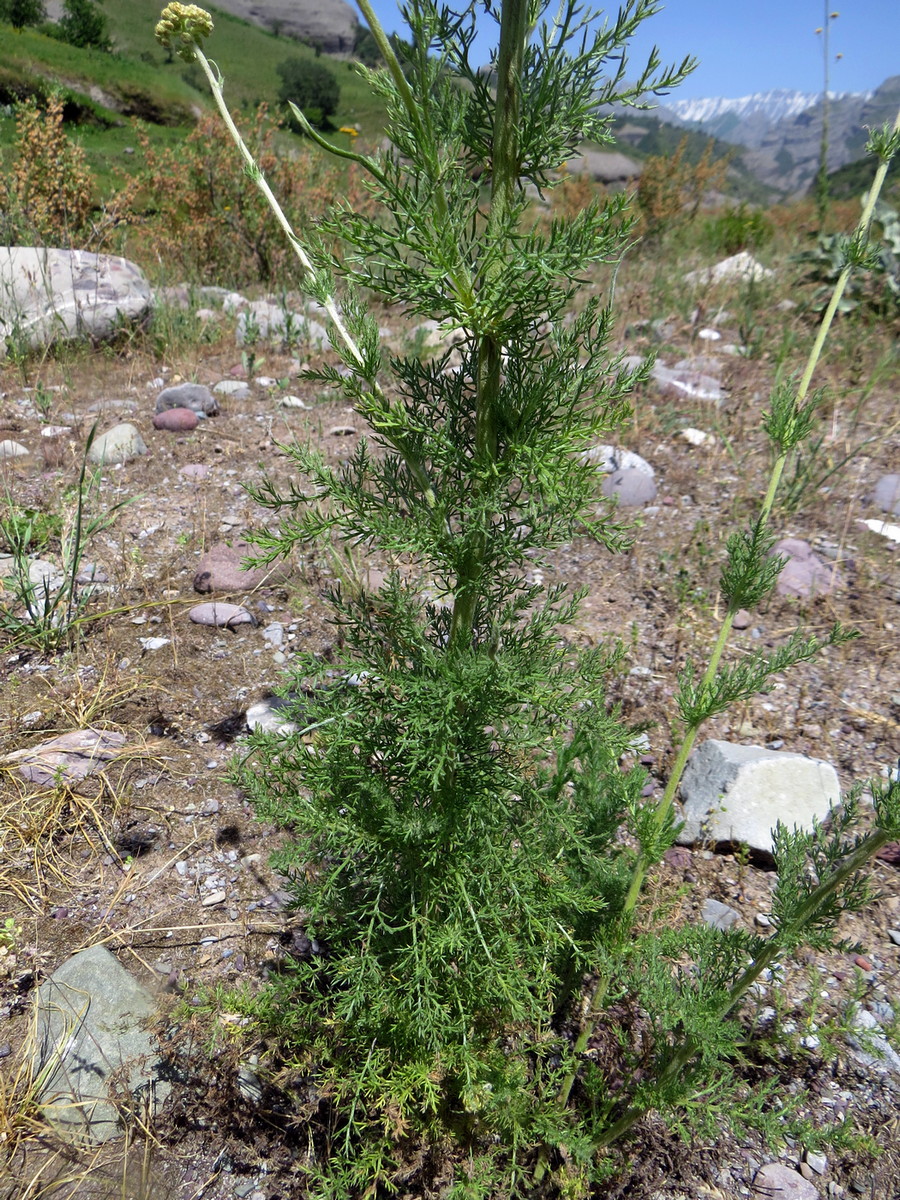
(671, 189)
(484, 989)
(737, 228)
(46, 607)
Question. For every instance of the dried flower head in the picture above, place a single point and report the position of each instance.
(182, 27)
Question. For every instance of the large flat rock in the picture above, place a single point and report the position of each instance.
(738, 794)
(100, 1064)
(48, 294)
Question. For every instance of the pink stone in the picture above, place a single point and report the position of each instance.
(176, 420)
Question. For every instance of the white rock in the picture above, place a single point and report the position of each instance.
(733, 793)
(292, 402)
(235, 388)
(47, 294)
(10, 449)
(611, 458)
(154, 643)
(118, 445)
(870, 1047)
(892, 532)
(696, 437)
(742, 266)
(268, 716)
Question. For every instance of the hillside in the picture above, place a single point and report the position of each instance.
(140, 79)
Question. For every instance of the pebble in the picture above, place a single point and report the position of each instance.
(154, 643)
(775, 1179)
(718, 915)
(216, 612)
(268, 715)
(176, 420)
(235, 389)
(805, 574)
(214, 898)
(887, 494)
(194, 471)
(274, 635)
(817, 1162)
(188, 395)
(742, 619)
(611, 458)
(292, 402)
(219, 569)
(9, 449)
(696, 437)
(342, 431)
(894, 935)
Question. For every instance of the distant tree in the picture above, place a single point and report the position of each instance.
(365, 48)
(20, 13)
(311, 86)
(84, 25)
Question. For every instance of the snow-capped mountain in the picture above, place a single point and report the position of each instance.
(781, 131)
(774, 105)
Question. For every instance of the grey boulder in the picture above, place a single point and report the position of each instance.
(738, 794)
(630, 487)
(99, 1068)
(48, 294)
(195, 396)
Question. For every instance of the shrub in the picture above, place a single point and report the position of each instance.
(204, 223)
(671, 189)
(20, 13)
(47, 195)
(481, 1010)
(739, 228)
(84, 25)
(311, 86)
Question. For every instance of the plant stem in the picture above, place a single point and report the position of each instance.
(514, 31)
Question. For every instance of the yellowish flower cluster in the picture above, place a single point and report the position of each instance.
(182, 27)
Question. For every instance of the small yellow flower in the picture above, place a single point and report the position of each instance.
(182, 27)
(349, 130)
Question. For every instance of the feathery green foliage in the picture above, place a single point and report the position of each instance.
(466, 851)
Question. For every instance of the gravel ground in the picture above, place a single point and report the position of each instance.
(161, 859)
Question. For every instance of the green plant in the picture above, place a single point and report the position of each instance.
(875, 286)
(311, 87)
(481, 1001)
(20, 13)
(740, 228)
(84, 25)
(41, 610)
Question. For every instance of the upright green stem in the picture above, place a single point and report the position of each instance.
(514, 32)
(684, 1053)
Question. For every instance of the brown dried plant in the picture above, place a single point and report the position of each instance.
(205, 223)
(672, 189)
(48, 195)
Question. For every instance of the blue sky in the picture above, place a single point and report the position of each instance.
(760, 44)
